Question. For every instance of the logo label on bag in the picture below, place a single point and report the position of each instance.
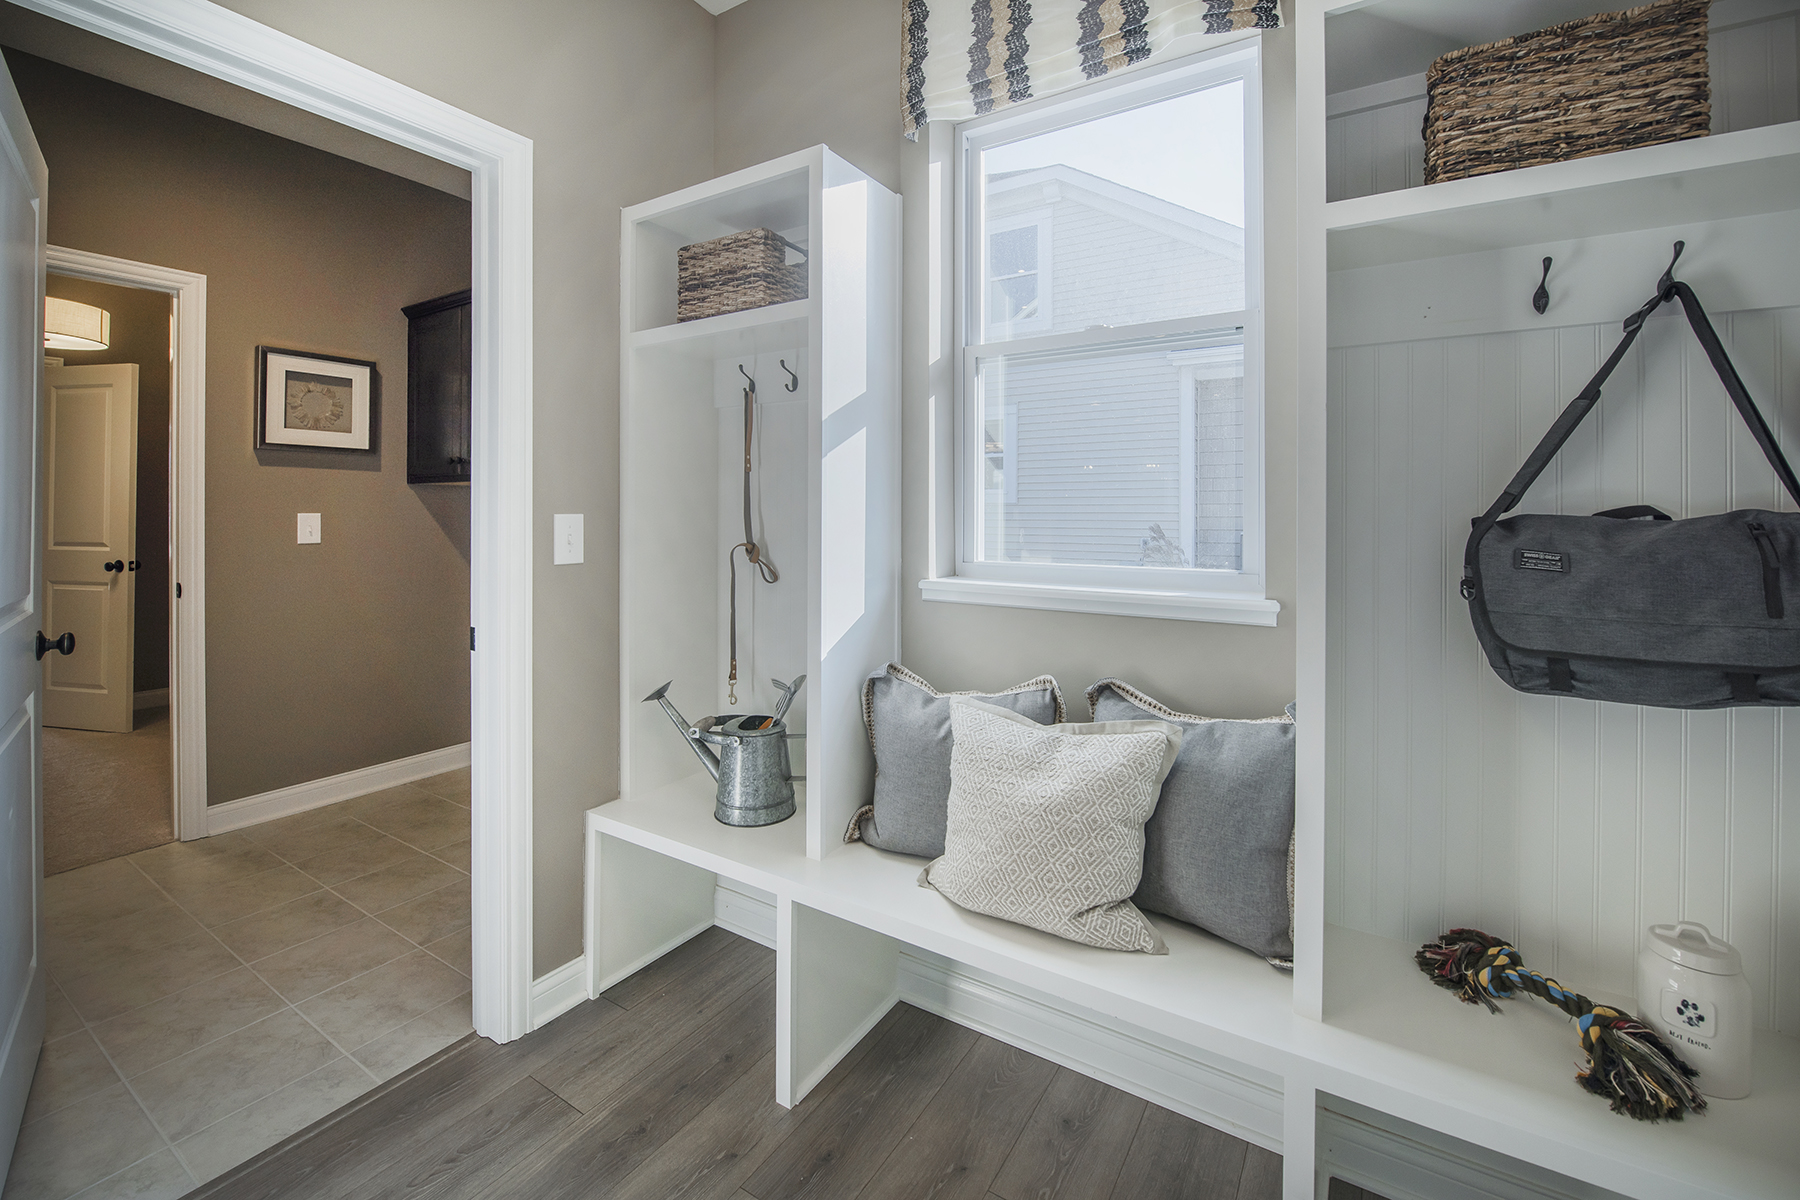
(1540, 560)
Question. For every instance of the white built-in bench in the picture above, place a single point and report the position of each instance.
(1208, 1030)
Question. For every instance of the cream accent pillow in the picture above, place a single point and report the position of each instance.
(1046, 822)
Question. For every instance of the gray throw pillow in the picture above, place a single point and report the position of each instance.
(1047, 822)
(1217, 852)
(909, 730)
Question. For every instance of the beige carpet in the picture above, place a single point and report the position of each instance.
(106, 794)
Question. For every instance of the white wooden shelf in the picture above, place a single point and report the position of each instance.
(1507, 1082)
(731, 334)
(1704, 179)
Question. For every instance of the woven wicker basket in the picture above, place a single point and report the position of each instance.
(735, 272)
(1603, 83)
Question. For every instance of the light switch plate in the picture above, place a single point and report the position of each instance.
(570, 540)
(308, 529)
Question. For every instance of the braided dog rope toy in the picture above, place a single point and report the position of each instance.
(1628, 1064)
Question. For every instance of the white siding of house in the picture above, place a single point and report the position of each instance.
(1110, 268)
(1097, 459)
(1109, 271)
(1094, 445)
(1219, 475)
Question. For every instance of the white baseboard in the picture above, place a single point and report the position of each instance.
(557, 992)
(154, 698)
(285, 802)
(1396, 1159)
(1224, 1095)
(746, 911)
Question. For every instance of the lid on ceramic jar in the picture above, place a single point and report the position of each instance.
(1691, 944)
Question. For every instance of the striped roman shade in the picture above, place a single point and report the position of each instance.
(963, 58)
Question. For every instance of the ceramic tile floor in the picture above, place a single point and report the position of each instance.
(206, 999)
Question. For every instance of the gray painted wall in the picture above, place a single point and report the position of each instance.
(792, 73)
(633, 99)
(618, 101)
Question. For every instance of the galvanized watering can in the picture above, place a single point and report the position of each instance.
(756, 782)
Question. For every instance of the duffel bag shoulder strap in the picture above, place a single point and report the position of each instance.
(1578, 409)
(1734, 387)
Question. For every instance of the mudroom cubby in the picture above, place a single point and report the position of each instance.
(823, 478)
(1434, 796)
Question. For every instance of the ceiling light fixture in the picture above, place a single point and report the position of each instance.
(72, 325)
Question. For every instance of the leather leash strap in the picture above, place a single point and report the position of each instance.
(753, 554)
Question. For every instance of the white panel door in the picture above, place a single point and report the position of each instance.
(90, 543)
(22, 187)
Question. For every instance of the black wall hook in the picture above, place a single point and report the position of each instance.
(1668, 277)
(748, 377)
(1540, 299)
(793, 384)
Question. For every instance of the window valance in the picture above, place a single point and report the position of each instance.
(963, 58)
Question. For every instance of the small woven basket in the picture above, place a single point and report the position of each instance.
(735, 272)
(1603, 83)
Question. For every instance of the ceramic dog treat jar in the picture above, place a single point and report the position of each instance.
(1691, 989)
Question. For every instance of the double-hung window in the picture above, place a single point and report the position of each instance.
(1109, 298)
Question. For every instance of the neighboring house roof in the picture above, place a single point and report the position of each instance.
(1053, 182)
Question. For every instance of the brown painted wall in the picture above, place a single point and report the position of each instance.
(140, 334)
(320, 659)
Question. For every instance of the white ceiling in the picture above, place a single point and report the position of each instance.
(715, 7)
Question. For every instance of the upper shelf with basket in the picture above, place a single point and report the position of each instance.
(704, 253)
(1424, 93)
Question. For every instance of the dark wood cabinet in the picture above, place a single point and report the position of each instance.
(438, 412)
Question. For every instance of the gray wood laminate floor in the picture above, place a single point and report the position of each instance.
(665, 1087)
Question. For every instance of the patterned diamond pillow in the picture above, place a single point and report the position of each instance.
(1046, 822)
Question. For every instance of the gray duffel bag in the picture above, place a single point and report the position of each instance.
(1630, 605)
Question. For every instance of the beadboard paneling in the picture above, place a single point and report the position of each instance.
(1563, 823)
(1753, 59)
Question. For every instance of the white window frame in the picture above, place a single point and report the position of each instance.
(1041, 218)
(1237, 597)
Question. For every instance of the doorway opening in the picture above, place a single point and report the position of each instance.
(321, 923)
(109, 779)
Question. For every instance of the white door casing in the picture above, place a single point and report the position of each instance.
(187, 511)
(90, 543)
(226, 45)
(23, 181)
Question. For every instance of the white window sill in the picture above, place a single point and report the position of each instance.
(1112, 602)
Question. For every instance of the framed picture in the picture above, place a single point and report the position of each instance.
(314, 401)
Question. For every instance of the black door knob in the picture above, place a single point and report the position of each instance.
(117, 564)
(132, 565)
(62, 645)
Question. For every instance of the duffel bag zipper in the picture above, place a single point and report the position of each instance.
(1771, 567)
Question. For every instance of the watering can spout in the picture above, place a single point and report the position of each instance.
(689, 733)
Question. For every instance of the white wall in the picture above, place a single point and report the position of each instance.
(1566, 825)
